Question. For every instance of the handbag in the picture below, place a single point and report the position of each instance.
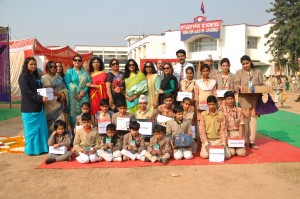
(263, 108)
(182, 140)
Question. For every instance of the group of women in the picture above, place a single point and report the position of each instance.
(78, 85)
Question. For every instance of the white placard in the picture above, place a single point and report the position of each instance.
(102, 127)
(182, 95)
(236, 142)
(59, 150)
(220, 93)
(162, 119)
(203, 105)
(194, 132)
(145, 128)
(77, 128)
(123, 123)
(216, 154)
(46, 92)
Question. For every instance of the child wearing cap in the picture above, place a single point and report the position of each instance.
(143, 112)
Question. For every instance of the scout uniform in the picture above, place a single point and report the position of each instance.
(61, 140)
(147, 114)
(116, 115)
(115, 153)
(164, 145)
(163, 110)
(139, 142)
(224, 83)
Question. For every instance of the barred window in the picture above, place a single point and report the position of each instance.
(203, 44)
(252, 43)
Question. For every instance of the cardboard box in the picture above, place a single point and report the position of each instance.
(59, 150)
(46, 92)
(216, 154)
(236, 142)
(256, 89)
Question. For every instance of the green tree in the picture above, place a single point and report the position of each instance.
(284, 35)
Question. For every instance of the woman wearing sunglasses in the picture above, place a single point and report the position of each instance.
(154, 82)
(169, 84)
(76, 79)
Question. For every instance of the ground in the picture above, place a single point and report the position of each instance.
(20, 179)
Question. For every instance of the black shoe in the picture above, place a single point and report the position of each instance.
(253, 146)
(147, 159)
(50, 161)
(164, 161)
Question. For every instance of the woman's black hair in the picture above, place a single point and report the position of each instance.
(134, 125)
(127, 71)
(91, 68)
(58, 123)
(49, 65)
(191, 69)
(75, 57)
(153, 71)
(177, 109)
(211, 98)
(112, 60)
(62, 74)
(203, 66)
(246, 57)
(25, 67)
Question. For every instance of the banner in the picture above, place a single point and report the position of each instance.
(4, 65)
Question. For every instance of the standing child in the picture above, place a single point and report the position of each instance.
(111, 145)
(188, 84)
(58, 138)
(188, 114)
(234, 122)
(133, 143)
(166, 109)
(159, 147)
(87, 141)
(279, 90)
(85, 108)
(212, 128)
(122, 112)
(179, 126)
(103, 115)
(143, 112)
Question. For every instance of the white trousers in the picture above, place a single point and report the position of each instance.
(84, 159)
(185, 153)
(129, 154)
(109, 156)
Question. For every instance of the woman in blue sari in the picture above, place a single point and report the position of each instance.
(33, 114)
(76, 79)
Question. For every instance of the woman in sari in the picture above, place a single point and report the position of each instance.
(168, 84)
(154, 82)
(97, 87)
(33, 114)
(55, 109)
(115, 85)
(135, 84)
(76, 79)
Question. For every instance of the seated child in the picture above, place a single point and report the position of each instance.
(188, 114)
(212, 128)
(166, 109)
(111, 145)
(159, 147)
(122, 108)
(103, 115)
(133, 143)
(58, 138)
(234, 121)
(143, 112)
(86, 141)
(179, 126)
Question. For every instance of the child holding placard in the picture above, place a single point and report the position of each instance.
(122, 112)
(85, 108)
(160, 146)
(59, 138)
(143, 112)
(188, 114)
(133, 143)
(212, 128)
(166, 109)
(111, 145)
(188, 84)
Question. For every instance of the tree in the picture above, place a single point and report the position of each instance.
(284, 35)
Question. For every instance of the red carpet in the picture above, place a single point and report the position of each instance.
(270, 150)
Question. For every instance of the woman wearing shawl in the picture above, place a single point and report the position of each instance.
(135, 84)
(168, 84)
(154, 82)
(76, 79)
(55, 109)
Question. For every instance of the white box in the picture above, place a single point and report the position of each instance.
(182, 95)
(102, 127)
(194, 132)
(123, 123)
(216, 154)
(236, 142)
(145, 128)
(162, 119)
(59, 150)
(220, 93)
(46, 92)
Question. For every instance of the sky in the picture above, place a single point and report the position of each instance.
(109, 22)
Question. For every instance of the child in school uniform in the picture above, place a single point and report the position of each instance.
(85, 108)
(58, 138)
(212, 128)
(133, 143)
(160, 146)
(279, 89)
(143, 112)
(188, 84)
(166, 109)
(122, 112)
(111, 145)
(188, 114)
(179, 126)
(234, 122)
(103, 115)
(86, 141)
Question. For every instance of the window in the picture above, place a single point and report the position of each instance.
(163, 48)
(203, 44)
(252, 43)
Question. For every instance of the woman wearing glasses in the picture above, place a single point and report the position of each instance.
(169, 84)
(55, 109)
(115, 84)
(135, 84)
(154, 82)
(76, 79)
